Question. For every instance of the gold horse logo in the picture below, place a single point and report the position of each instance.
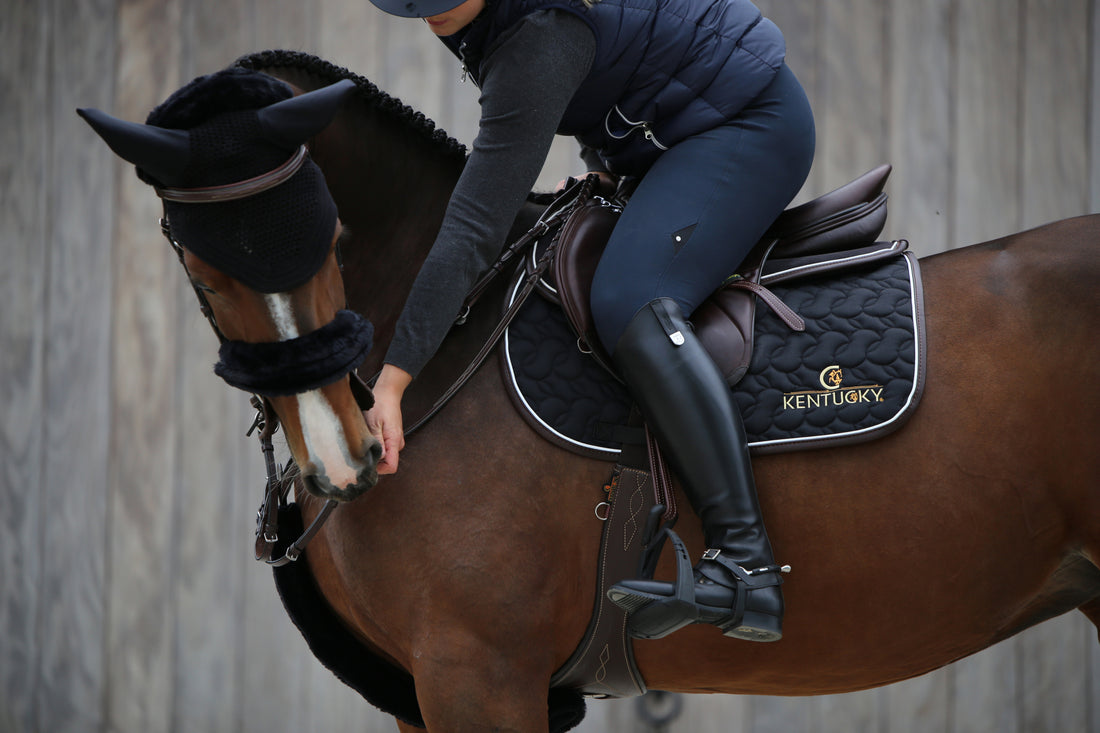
(831, 377)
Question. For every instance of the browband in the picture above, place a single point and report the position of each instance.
(240, 189)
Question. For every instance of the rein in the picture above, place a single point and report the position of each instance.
(557, 212)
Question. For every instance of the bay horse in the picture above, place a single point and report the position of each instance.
(472, 569)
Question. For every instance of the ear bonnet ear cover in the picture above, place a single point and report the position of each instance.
(273, 241)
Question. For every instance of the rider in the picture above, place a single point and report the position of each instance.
(694, 98)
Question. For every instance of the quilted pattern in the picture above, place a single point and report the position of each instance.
(852, 374)
(566, 389)
(852, 369)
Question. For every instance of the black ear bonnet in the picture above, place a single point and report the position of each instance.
(227, 127)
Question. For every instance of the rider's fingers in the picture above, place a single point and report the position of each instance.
(390, 456)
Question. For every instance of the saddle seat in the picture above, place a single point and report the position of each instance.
(843, 219)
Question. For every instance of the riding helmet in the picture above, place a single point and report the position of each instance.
(416, 8)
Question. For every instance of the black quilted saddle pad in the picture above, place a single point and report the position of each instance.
(854, 374)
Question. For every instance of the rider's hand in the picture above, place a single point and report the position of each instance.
(607, 181)
(384, 419)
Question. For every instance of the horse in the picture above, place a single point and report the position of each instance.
(472, 569)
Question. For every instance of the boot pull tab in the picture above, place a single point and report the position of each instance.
(671, 328)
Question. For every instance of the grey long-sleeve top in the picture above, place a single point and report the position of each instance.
(528, 79)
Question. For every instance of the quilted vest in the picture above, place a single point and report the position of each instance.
(664, 70)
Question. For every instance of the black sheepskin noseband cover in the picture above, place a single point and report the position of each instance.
(282, 368)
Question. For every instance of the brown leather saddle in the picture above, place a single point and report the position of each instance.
(843, 219)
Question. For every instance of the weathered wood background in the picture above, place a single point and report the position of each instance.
(128, 598)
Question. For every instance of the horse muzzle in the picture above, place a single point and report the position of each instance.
(337, 461)
(318, 483)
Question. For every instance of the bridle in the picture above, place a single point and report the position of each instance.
(279, 480)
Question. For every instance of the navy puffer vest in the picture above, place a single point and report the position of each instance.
(664, 69)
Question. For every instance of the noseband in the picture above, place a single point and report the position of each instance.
(283, 368)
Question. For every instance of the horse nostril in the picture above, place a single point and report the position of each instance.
(375, 452)
(317, 484)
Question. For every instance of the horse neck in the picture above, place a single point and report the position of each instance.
(391, 187)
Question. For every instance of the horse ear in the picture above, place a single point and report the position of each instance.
(161, 153)
(293, 121)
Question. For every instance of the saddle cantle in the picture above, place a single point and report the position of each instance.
(855, 212)
(847, 217)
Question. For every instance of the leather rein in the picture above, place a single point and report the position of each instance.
(279, 480)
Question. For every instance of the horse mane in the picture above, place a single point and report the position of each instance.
(374, 97)
(390, 170)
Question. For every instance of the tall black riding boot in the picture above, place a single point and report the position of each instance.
(689, 407)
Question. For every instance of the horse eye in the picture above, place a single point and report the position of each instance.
(202, 286)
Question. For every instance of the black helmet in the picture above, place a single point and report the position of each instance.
(416, 8)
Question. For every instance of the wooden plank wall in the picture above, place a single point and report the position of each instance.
(128, 598)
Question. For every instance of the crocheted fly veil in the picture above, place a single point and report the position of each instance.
(232, 127)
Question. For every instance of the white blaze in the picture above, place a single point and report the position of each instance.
(322, 432)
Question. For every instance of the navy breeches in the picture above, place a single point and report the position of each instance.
(702, 207)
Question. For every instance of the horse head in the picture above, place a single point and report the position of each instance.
(257, 230)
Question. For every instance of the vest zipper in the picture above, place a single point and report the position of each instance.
(643, 125)
(462, 58)
(648, 132)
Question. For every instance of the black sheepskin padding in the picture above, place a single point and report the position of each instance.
(390, 689)
(282, 368)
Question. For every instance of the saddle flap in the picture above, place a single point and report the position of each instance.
(583, 238)
(724, 323)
